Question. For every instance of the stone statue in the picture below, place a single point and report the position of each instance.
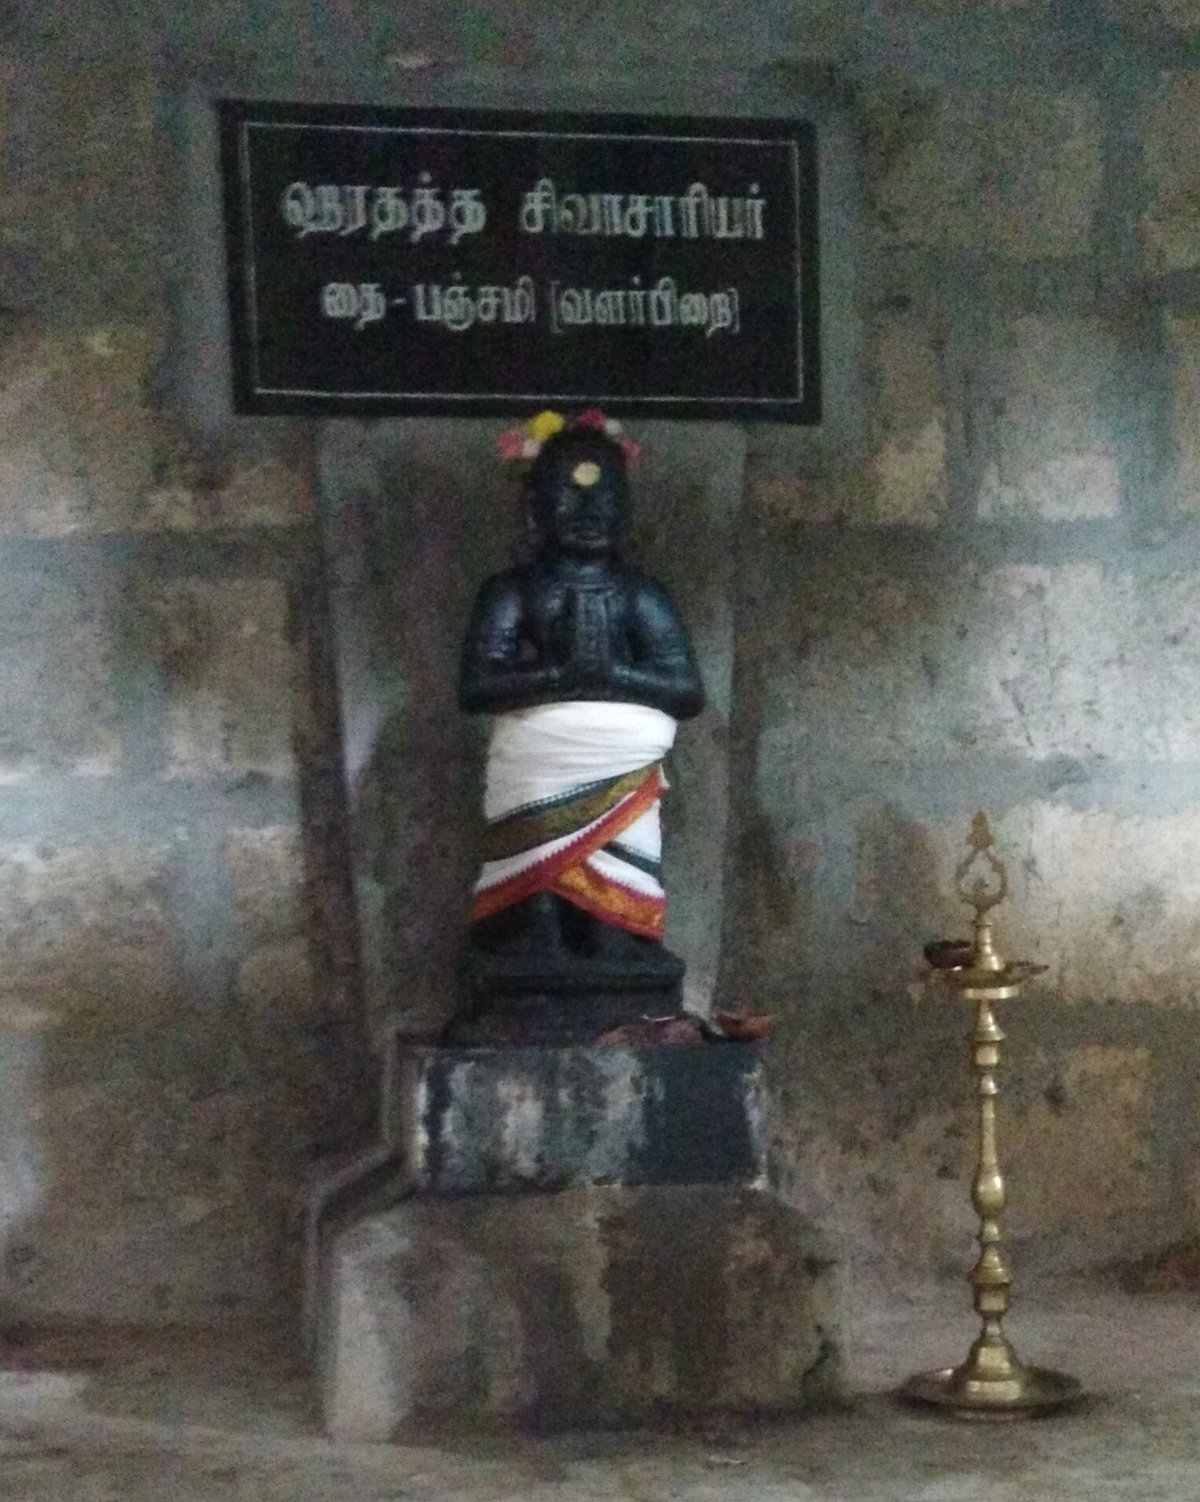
(586, 667)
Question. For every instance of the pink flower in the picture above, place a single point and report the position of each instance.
(631, 449)
(511, 443)
(592, 418)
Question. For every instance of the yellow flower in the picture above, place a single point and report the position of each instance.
(545, 425)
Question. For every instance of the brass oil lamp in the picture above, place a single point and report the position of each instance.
(991, 1382)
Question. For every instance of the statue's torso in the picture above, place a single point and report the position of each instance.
(588, 622)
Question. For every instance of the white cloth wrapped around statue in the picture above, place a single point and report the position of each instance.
(571, 804)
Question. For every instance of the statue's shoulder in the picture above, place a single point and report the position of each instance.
(642, 586)
(504, 585)
(498, 603)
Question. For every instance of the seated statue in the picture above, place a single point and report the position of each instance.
(583, 662)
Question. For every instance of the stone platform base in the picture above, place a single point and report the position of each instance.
(495, 1120)
(594, 1306)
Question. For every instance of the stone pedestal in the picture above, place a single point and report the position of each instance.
(522, 1003)
(568, 1236)
(587, 1307)
(474, 1120)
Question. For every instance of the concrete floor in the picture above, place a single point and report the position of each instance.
(198, 1419)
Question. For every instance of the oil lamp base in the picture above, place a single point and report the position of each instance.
(1025, 1392)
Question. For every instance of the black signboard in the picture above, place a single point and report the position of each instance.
(435, 261)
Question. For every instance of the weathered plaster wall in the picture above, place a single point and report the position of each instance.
(973, 586)
(172, 1043)
(996, 607)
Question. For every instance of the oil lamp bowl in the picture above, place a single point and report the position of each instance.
(948, 954)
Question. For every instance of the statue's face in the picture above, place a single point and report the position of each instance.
(581, 496)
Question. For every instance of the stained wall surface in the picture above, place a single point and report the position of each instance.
(973, 586)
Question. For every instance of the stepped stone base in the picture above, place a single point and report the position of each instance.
(494, 1119)
(522, 1003)
(591, 1306)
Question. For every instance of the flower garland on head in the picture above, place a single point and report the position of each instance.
(526, 443)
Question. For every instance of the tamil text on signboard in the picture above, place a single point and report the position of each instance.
(470, 261)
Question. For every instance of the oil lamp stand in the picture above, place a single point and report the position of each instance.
(991, 1383)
